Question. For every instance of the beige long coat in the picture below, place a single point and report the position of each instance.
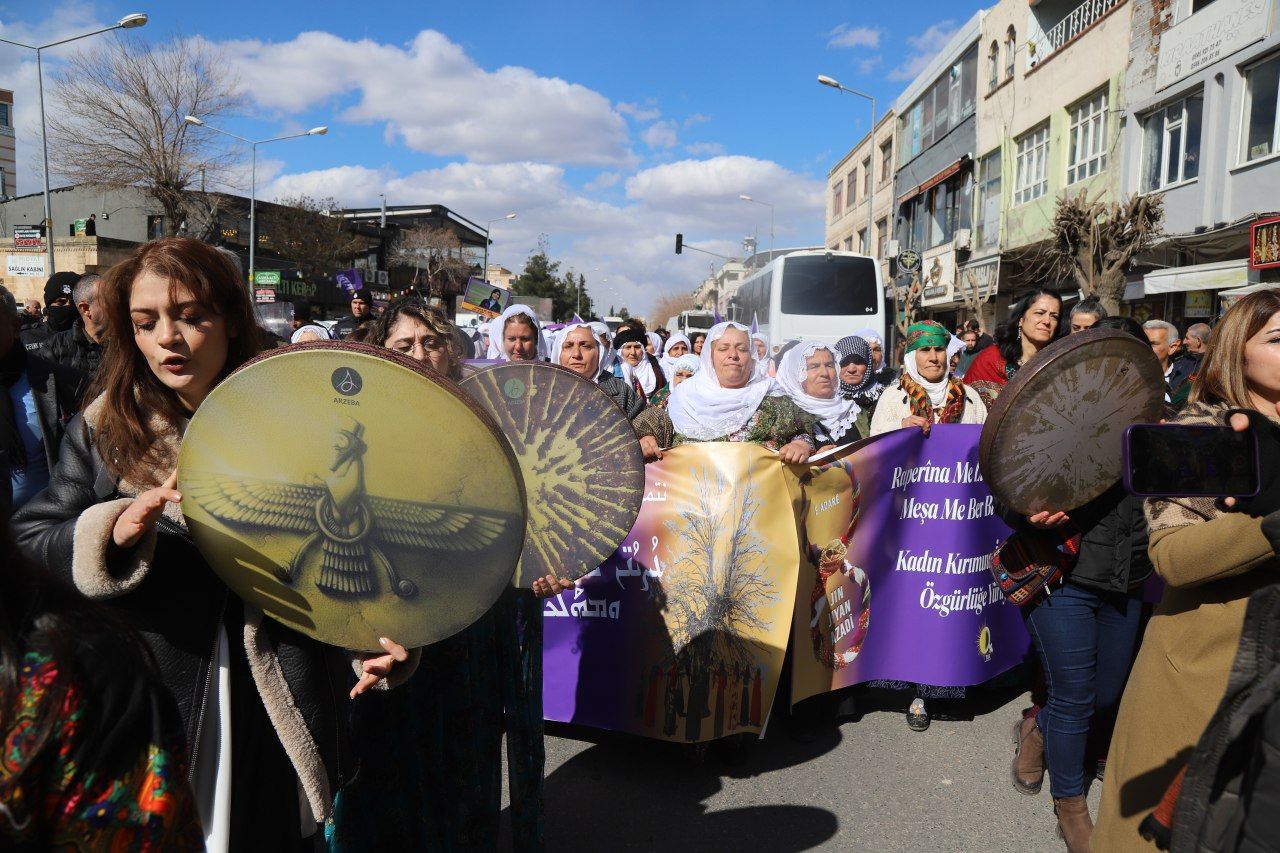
(1211, 562)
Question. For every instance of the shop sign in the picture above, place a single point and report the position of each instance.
(937, 278)
(264, 295)
(28, 238)
(980, 281)
(1264, 244)
(1213, 33)
(296, 287)
(267, 278)
(909, 261)
(32, 265)
(1199, 303)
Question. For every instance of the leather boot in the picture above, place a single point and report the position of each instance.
(1074, 824)
(1028, 757)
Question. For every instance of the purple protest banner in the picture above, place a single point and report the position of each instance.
(350, 281)
(681, 635)
(898, 583)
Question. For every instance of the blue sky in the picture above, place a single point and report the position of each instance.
(608, 127)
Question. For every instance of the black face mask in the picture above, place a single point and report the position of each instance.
(61, 317)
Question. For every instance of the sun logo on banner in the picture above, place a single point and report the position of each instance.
(986, 647)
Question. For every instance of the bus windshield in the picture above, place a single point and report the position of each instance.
(829, 285)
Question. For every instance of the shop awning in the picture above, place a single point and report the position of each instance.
(1215, 276)
(935, 180)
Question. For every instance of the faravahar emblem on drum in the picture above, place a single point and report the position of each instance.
(347, 534)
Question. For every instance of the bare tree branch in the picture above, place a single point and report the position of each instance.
(434, 255)
(118, 120)
(301, 230)
(1094, 241)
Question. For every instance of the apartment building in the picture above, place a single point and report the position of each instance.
(1202, 127)
(862, 178)
(1049, 125)
(933, 184)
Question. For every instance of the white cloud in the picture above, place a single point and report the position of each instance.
(435, 99)
(847, 35)
(648, 112)
(705, 149)
(660, 134)
(924, 48)
(630, 242)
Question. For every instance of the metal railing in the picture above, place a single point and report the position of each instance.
(1076, 22)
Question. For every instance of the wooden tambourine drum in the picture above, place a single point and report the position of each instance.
(1052, 440)
(352, 494)
(582, 465)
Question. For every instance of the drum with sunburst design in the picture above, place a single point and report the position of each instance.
(1052, 440)
(582, 465)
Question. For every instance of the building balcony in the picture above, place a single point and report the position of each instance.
(1054, 24)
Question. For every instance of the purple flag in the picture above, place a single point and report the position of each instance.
(755, 325)
(577, 319)
(350, 281)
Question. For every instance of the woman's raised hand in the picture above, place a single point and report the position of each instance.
(141, 515)
(916, 421)
(1045, 520)
(796, 453)
(551, 585)
(378, 666)
(649, 447)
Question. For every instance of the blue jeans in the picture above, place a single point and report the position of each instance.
(1085, 640)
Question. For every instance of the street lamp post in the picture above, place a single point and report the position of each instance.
(128, 22)
(871, 136)
(766, 204)
(253, 175)
(487, 226)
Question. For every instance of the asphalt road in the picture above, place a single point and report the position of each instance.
(867, 783)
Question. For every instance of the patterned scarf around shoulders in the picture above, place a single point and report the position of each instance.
(952, 407)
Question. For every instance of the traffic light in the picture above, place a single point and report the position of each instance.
(679, 243)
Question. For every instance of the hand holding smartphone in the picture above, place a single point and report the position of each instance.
(1191, 460)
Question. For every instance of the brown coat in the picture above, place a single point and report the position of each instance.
(1211, 562)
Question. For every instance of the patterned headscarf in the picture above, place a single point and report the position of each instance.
(928, 333)
(854, 348)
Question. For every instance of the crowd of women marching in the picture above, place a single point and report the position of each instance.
(142, 705)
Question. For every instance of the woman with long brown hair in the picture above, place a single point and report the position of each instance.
(1211, 559)
(261, 705)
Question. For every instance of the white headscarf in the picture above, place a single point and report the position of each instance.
(668, 361)
(315, 329)
(762, 364)
(937, 391)
(702, 409)
(836, 412)
(656, 340)
(868, 334)
(557, 348)
(497, 340)
(642, 373)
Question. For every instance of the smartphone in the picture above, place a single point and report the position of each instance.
(1183, 460)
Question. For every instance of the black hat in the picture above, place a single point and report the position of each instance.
(363, 295)
(630, 336)
(59, 285)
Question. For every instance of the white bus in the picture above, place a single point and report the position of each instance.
(814, 294)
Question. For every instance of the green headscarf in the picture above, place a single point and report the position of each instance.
(929, 333)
